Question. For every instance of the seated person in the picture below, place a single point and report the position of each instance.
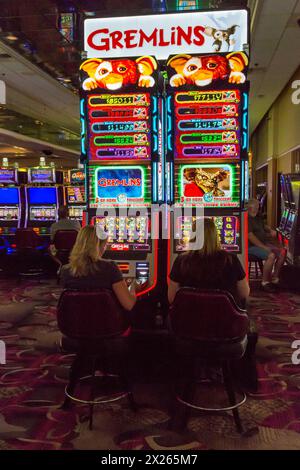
(87, 269)
(209, 268)
(263, 245)
(64, 223)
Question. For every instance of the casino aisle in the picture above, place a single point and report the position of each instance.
(33, 381)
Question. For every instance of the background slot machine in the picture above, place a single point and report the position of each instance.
(42, 199)
(285, 207)
(120, 145)
(75, 194)
(207, 139)
(11, 205)
(291, 236)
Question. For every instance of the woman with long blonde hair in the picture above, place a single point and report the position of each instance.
(87, 269)
(209, 268)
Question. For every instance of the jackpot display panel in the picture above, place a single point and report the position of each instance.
(207, 148)
(11, 204)
(121, 150)
(75, 194)
(42, 200)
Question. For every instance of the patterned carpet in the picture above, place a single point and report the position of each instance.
(32, 386)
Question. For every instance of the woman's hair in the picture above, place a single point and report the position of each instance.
(86, 252)
(208, 263)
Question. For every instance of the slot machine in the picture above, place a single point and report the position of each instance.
(75, 194)
(120, 146)
(285, 211)
(42, 199)
(207, 155)
(11, 205)
(292, 229)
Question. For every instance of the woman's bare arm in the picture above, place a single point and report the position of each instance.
(127, 299)
(172, 290)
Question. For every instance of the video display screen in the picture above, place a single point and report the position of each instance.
(75, 194)
(76, 212)
(42, 195)
(208, 185)
(122, 185)
(228, 228)
(207, 124)
(283, 220)
(77, 177)
(295, 185)
(290, 222)
(8, 175)
(42, 214)
(126, 233)
(41, 175)
(9, 196)
(119, 126)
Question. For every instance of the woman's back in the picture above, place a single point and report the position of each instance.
(217, 271)
(105, 274)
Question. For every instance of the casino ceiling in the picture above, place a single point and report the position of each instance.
(40, 53)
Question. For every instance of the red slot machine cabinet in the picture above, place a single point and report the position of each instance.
(12, 205)
(75, 194)
(120, 147)
(43, 196)
(207, 157)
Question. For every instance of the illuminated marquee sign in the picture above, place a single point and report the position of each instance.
(162, 35)
(8, 175)
(41, 175)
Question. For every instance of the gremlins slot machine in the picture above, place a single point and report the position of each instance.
(207, 139)
(120, 145)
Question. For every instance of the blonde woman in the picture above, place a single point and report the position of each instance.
(87, 269)
(209, 268)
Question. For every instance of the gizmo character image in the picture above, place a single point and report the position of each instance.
(203, 70)
(115, 74)
(201, 182)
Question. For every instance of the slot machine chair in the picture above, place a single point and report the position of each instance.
(28, 257)
(64, 241)
(211, 330)
(96, 323)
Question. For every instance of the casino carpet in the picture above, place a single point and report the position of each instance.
(32, 386)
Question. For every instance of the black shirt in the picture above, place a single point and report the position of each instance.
(106, 275)
(256, 226)
(231, 272)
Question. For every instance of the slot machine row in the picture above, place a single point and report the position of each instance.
(75, 194)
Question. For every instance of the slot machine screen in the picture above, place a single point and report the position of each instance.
(126, 233)
(42, 195)
(283, 220)
(207, 124)
(208, 185)
(122, 185)
(75, 194)
(9, 196)
(41, 175)
(284, 190)
(77, 177)
(8, 175)
(290, 222)
(289, 191)
(228, 228)
(295, 187)
(42, 213)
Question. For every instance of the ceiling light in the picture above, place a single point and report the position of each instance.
(12, 37)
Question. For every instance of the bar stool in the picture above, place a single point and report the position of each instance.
(95, 322)
(208, 328)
